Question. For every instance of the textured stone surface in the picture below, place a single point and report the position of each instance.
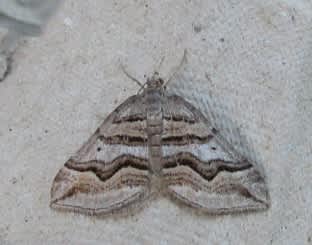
(253, 56)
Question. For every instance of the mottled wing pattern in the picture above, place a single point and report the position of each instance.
(111, 169)
(199, 167)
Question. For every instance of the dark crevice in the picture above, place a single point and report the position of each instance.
(8, 68)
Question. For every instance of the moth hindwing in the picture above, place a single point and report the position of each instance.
(157, 143)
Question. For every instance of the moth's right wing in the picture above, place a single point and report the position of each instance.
(201, 169)
(110, 171)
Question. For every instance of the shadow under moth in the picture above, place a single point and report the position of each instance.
(158, 143)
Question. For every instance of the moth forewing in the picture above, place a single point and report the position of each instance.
(111, 170)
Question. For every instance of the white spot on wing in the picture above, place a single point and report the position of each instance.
(204, 152)
(108, 152)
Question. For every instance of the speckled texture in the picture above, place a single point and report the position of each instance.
(253, 56)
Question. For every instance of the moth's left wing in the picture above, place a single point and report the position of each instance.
(201, 169)
(111, 171)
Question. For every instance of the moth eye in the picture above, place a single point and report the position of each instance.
(213, 148)
(99, 149)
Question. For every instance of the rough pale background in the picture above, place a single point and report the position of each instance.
(254, 57)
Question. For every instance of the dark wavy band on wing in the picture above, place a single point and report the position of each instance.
(186, 139)
(130, 118)
(207, 170)
(124, 140)
(103, 170)
(167, 140)
(179, 118)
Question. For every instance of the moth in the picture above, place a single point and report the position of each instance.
(158, 143)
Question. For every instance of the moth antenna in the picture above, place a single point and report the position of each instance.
(142, 88)
(177, 68)
(160, 63)
(131, 77)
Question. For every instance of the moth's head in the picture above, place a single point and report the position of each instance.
(155, 81)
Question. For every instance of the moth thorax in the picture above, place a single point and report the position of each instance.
(155, 81)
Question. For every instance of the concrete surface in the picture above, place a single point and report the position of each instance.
(255, 57)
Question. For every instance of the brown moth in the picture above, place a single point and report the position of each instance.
(156, 143)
